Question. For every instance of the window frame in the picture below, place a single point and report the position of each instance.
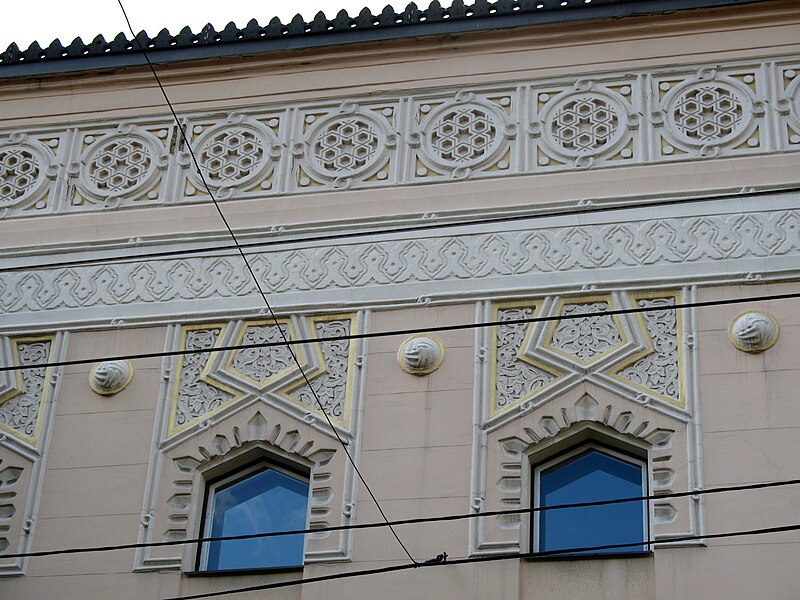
(238, 471)
(558, 451)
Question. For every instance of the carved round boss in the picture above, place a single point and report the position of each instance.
(420, 355)
(754, 331)
(110, 376)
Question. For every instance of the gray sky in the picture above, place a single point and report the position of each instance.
(44, 20)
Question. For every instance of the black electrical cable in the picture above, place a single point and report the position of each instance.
(480, 559)
(255, 280)
(546, 214)
(412, 521)
(410, 331)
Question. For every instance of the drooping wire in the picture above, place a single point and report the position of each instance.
(481, 559)
(412, 521)
(272, 315)
(412, 331)
(418, 228)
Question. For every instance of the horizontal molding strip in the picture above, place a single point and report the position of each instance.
(747, 239)
(589, 121)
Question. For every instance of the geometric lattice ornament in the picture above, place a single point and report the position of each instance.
(709, 114)
(28, 170)
(638, 355)
(788, 104)
(346, 146)
(120, 167)
(584, 124)
(207, 383)
(237, 155)
(25, 393)
(460, 136)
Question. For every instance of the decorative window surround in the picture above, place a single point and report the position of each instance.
(27, 407)
(758, 238)
(220, 408)
(642, 390)
(692, 112)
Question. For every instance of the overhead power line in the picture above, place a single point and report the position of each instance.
(409, 331)
(481, 559)
(441, 223)
(413, 521)
(235, 240)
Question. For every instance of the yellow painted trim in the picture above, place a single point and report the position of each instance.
(536, 305)
(48, 373)
(285, 393)
(608, 299)
(176, 379)
(614, 371)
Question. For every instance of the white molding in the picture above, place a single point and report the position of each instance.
(627, 119)
(739, 239)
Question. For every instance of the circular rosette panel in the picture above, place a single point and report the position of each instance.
(577, 124)
(234, 155)
(341, 146)
(119, 164)
(464, 135)
(22, 173)
(708, 113)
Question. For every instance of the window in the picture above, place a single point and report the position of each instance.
(259, 498)
(586, 474)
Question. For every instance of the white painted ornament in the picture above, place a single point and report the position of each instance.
(110, 376)
(420, 355)
(754, 331)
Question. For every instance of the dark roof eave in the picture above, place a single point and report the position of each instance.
(599, 9)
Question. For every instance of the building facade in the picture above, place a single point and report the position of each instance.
(572, 174)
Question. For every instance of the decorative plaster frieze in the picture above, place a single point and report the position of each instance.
(685, 243)
(27, 404)
(695, 112)
(217, 407)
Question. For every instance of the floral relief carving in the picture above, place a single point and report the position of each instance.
(20, 412)
(205, 384)
(330, 388)
(260, 364)
(585, 338)
(658, 371)
(514, 378)
(636, 355)
(194, 396)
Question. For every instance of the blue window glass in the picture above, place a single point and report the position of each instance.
(588, 477)
(261, 501)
